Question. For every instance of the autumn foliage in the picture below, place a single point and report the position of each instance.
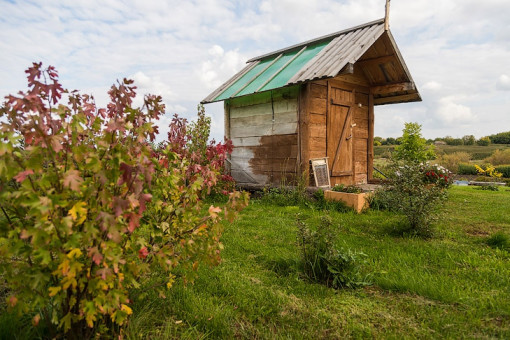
(89, 207)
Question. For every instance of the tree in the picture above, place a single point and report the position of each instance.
(469, 140)
(413, 147)
(484, 141)
(90, 209)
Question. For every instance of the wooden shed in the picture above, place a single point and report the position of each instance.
(312, 100)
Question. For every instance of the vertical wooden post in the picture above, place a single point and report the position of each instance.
(370, 141)
(304, 133)
(226, 133)
(387, 16)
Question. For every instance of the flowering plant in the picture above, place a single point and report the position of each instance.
(489, 171)
(436, 174)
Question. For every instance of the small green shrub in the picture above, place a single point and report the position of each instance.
(504, 170)
(352, 189)
(322, 262)
(499, 240)
(466, 169)
(408, 193)
(490, 187)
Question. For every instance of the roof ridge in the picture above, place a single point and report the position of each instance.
(316, 40)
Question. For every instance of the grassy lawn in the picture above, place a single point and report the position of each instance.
(451, 286)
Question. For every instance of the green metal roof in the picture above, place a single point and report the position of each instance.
(319, 58)
(271, 73)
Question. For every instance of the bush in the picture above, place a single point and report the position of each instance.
(467, 169)
(499, 157)
(91, 210)
(321, 262)
(407, 192)
(490, 187)
(504, 170)
(452, 161)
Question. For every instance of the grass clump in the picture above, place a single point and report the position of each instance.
(490, 187)
(322, 262)
(499, 240)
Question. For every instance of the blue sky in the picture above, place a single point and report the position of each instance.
(458, 51)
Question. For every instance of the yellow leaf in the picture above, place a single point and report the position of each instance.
(78, 212)
(126, 309)
(90, 318)
(76, 252)
(54, 290)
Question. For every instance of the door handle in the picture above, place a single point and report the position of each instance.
(349, 137)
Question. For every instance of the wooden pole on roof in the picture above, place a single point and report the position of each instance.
(387, 16)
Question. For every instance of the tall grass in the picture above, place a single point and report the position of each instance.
(499, 157)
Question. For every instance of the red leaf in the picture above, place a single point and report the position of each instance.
(119, 205)
(22, 175)
(143, 199)
(134, 222)
(126, 173)
(95, 255)
(142, 253)
(73, 180)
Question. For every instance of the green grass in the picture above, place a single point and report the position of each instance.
(451, 286)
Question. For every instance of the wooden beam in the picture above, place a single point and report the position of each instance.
(304, 132)
(387, 16)
(377, 60)
(226, 134)
(414, 97)
(370, 141)
(396, 87)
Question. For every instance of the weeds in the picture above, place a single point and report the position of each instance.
(322, 262)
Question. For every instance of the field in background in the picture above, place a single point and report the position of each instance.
(477, 152)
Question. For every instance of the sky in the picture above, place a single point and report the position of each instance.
(458, 51)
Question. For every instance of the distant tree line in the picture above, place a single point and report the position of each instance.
(499, 138)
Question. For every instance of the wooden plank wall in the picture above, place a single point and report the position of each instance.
(265, 143)
(317, 111)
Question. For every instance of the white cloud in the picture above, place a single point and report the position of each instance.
(503, 82)
(432, 86)
(458, 50)
(453, 113)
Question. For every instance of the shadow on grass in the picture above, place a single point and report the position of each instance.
(281, 266)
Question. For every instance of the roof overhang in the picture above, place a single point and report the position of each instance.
(367, 46)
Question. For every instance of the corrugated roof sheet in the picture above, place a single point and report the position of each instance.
(323, 57)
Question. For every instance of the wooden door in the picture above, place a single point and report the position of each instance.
(339, 131)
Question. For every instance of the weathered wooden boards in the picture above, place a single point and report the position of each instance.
(263, 129)
(276, 134)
